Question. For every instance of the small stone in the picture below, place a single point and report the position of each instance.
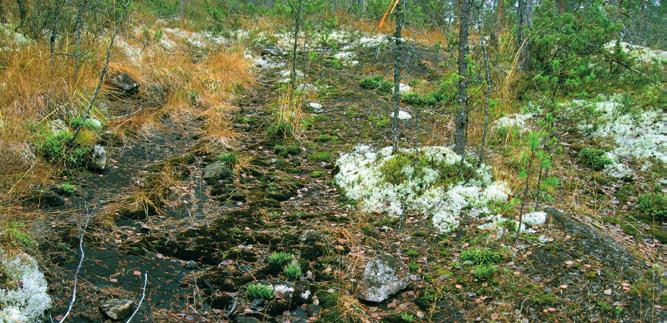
(117, 309)
(383, 276)
(98, 160)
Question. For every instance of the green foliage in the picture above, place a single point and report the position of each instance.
(229, 158)
(292, 270)
(280, 130)
(484, 271)
(285, 151)
(54, 148)
(593, 157)
(327, 299)
(478, 256)
(566, 48)
(259, 291)
(14, 235)
(316, 174)
(412, 253)
(320, 156)
(67, 188)
(279, 258)
(377, 83)
(653, 206)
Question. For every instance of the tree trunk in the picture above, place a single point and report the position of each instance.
(397, 79)
(296, 11)
(22, 12)
(461, 120)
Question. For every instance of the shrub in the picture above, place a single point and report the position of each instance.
(279, 258)
(595, 158)
(259, 291)
(292, 270)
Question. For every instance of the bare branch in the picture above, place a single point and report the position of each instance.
(78, 267)
(141, 300)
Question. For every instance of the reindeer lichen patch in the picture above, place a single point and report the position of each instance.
(433, 182)
(25, 297)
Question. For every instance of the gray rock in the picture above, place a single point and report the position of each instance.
(383, 276)
(117, 309)
(272, 51)
(57, 126)
(124, 84)
(216, 170)
(98, 161)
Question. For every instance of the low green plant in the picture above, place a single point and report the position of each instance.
(229, 158)
(54, 148)
(285, 151)
(279, 258)
(259, 291)
(320, 156)
(412, 253)
(14, 236)
(484, 271)
(68, 188)
(479, 256)
(292, 270)
(593, 157)
(316, 173)
(280, 130)
(653, 206)
(376, 82)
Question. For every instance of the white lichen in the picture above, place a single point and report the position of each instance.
(639, 135)
(644, 54)
(362, 179)
(517, 120)
(29, 299)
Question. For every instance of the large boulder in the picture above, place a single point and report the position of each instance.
(383, 276)
(117, 309)
(124, 84)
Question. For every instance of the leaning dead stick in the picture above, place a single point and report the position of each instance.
(78, 267)
(141, 300)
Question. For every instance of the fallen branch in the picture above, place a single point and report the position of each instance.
(141, 300)
(78, 267)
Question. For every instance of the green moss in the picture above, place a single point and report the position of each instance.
(413, 266)
(325, 138)
(381, 122)
(484, 271)
(316, 174)
(285, 151)
(479, 256)
(412, 253)
(593, 157)
(259, 291)
(327, 299)
(320, 156)
(279, 258)
(403, 317)
(544, 299)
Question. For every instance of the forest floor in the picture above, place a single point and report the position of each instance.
(203, 240)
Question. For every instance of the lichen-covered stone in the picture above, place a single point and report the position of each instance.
(117, 309)
(383, 276)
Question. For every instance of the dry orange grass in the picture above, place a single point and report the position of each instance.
(32, 92)
(426, 36)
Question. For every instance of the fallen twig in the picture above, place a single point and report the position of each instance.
(78, 267)
(141, 300)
